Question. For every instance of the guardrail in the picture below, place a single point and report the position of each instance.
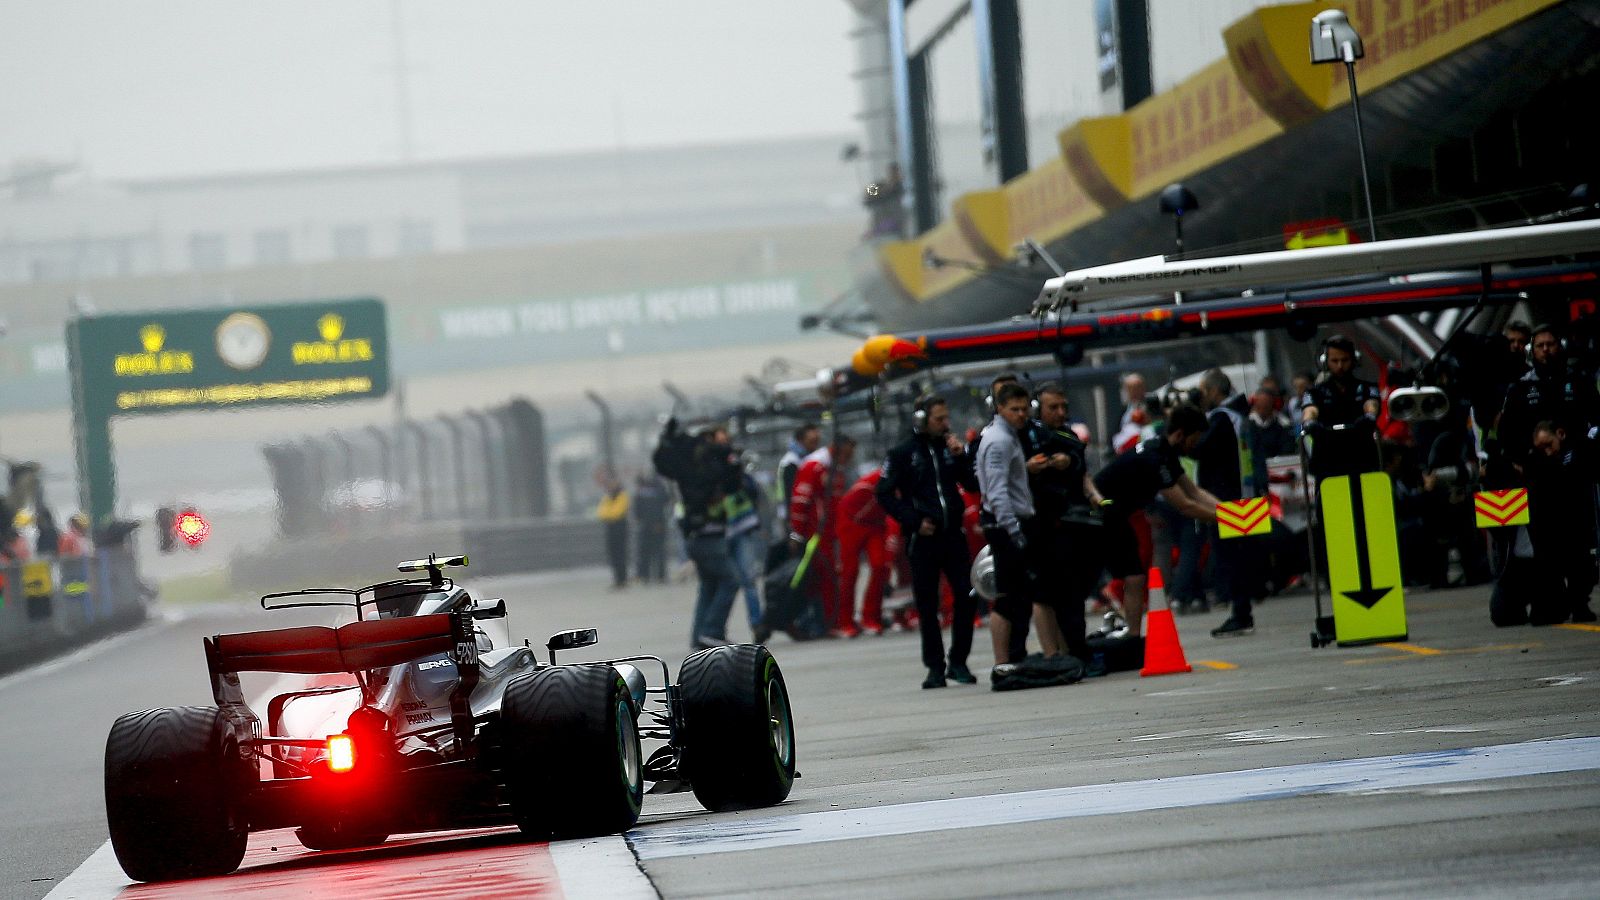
(496, 548)
(50, 605)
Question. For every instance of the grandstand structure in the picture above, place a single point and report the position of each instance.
(1019, 120)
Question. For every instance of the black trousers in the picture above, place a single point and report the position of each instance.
(617, 550)
(652, 555)
(1066, 560)
(1013, 579)
(1232, 573)
(943, 552)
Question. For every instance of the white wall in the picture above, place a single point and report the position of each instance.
(1186, 35)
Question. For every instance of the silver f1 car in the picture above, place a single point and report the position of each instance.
(444, 727)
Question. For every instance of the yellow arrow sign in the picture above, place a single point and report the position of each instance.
(1334, 238)
(1363, 559)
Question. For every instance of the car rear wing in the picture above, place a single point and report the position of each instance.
(314, 650)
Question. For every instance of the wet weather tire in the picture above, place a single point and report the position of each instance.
(572, 759)
(739, 749)
(175, 787)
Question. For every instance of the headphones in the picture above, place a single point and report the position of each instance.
(919, 412)
(994, 386)
(1342, 343)
(1049, 387)
(1527, 352)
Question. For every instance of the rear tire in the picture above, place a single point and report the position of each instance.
(739, 748)
(571, 752)
(174, 792)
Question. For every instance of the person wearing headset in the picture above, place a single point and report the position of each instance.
(1007, 516)
(1549, 391)
(1066, 550)
(921, 490)
(1339, 398)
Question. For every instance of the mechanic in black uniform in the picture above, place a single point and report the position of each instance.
(920, 488)
(1552, 390)
(1065, 543)
(1221, 472)
(1340, 399)
(1562, 475)
(1131, 481)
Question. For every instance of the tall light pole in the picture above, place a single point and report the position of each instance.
(1333, 39)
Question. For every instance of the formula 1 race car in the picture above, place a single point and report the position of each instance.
(444, 727)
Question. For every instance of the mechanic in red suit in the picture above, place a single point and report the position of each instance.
(813, 511)
(863, 527)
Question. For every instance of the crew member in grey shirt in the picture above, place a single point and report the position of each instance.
(1007, 507)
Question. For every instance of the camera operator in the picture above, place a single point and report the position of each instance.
(921, 489)
(1131, 481)
(1065, 544)
(706, 470)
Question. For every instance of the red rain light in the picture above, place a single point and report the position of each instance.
(341, 753)
(192, 527)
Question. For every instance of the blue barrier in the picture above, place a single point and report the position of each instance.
(50, 605)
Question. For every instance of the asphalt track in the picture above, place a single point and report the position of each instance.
(1461, 763)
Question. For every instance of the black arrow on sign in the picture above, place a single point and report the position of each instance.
(1366, 595)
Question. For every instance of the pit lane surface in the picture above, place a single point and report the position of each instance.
(1171, 786)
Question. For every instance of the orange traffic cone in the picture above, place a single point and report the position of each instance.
(1163, 654)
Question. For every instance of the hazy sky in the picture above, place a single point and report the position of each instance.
(172, 87)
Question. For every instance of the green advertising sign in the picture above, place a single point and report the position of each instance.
(214, 359)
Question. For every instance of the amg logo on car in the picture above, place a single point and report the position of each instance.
(433, 664)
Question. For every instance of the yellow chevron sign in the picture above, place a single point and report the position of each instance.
(1497, 509)
(1243, 518)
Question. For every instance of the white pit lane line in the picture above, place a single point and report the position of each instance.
(600, 868)
(1352, 776)
(596, 869)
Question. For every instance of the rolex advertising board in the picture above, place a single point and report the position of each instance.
(229, 358)
(129, 364)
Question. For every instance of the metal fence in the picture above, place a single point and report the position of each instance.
(473, 466)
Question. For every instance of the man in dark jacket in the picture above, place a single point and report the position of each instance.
(651, 507)
(1550, 391)
(1224, 464)
(1562, 474)
(920, 489)
(1066, 554)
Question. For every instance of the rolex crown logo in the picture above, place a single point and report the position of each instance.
(152, 337)
(331, 327)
